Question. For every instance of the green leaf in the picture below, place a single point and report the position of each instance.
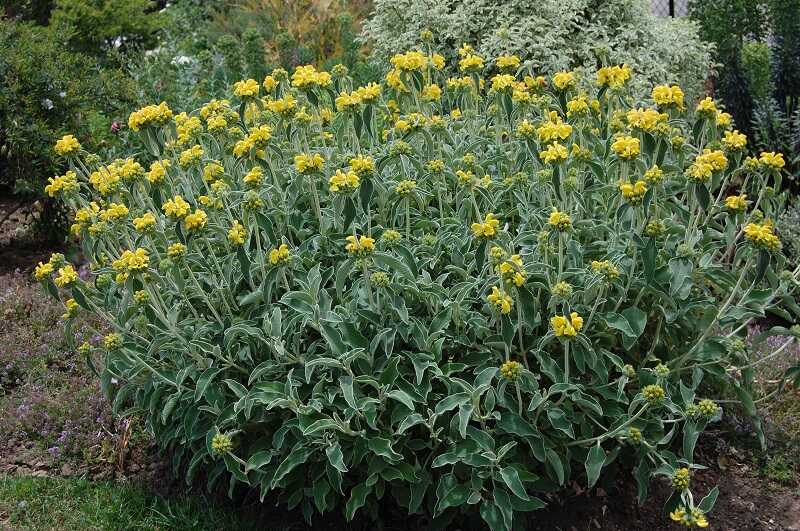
(258, 460)
(511, 479)
(451, 402)
(393, 264)
(594, 464)
(402, 397)
(335, 457)
(204, 381)
(708, 502)
(358, 497)
(383, 448)
(296, 457)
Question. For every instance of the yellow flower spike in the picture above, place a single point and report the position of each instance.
(307, 76)
(247, 88)
(195, 221)
(280, 255)
(176, 207)
(431, 92)
(145, 222)
(306, 163)
(487, 229)
(707, 107)
(772, 160)
(762, 235)
(734, 140)
(362, 165)
(560, 221)
(360, 245)
(471, 63)
(668, 96)
(254, 178)
(503, 83)
(150, 116)
(567, 327)
(344, 183)
(564, 80)
(158, 170)
(508, 62)
(626, 147)
(67, 145)
(633, 193)
(43, 271)
(736, 203)
(66, 276)
(613, 76)
(190, 156)
(501, 301)
(554, 153)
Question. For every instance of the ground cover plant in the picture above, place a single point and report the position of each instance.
(457, 294)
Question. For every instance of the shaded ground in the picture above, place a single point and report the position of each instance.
(66, 463)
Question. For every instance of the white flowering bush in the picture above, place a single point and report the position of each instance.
(451, 295)
(552, 35)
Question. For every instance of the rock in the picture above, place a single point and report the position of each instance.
(66, 470)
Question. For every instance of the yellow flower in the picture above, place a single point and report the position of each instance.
(525, 129)
(405, 187)
(634, 193)
(511, 370)
(654, 175)
(394, 79)
(503, 83)
(67, 145)
(176, 250)
(508, 62)
(362, 165)
(71, 308)
(114, 212)
(554, 153)
(254, 177)
(410, 61)
(605, 268)
(707, 107)
(390, 236)
(158, 170)
(360, 245)
(191, 155)
(560, 221)
(431, 92)
(626, 147)
(305, 77)
(762, 236)
(269, 83)
(734, 140)
(772, 160)
(280, 255)
(512, 270)
(487, 228)
(501, 301)
(613, 76)
(470, 63)
(59, 184)
(553, 129)
(347, 102)
(151, 115)
(568, 327)
(723, 119)
(283, 106)
(680, 479)
(66, 276)
(196, 220)
(176, 207)
(145, 222)
(344, 183)
(306, 163)
(247, 88)
(236, 234)
(736, 203)
(578, 105)
(653, 393)
(645, 119)
(368, 93)
(43, 271)
(564, 80)
(212, 171)
(666, 96)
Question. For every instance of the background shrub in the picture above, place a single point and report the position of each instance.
(556, 35)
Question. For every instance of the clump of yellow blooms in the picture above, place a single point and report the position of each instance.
(470, 63)
(177, 207)
(62, 184)
(633, 193)
(221, 444)
(507, 62)
(158, 170)
(680, 479)
(196, 220)
(486, 229)
(668, 96)
(360, 245)
(605, 268)
(613, 76)
(653, 393)
(772, 160)
(390, 236)
(689, 518)
(554, 153)
(410, 61)
(553, 128)
(734, 140)
(512, 270)
(705, 164)
(344, 183)
(254, 178)
(503, 83)
(736, 203)
(562, 289)
(762, 236)
(67, 145)
(561, 221)
(626, 147)
(305, 77)
(511, 370)
(405, 187)
(654, 175)
(564, 80)
(567, 326)
(66, 276)
(501, 301)
(707, 107)
(645, 119)
(237, 233)
(191, 155)
(247, 88)
(150, 116)
(306, 164)
(145, 222)
(130, 262)
(280, 255)
(176, 250)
